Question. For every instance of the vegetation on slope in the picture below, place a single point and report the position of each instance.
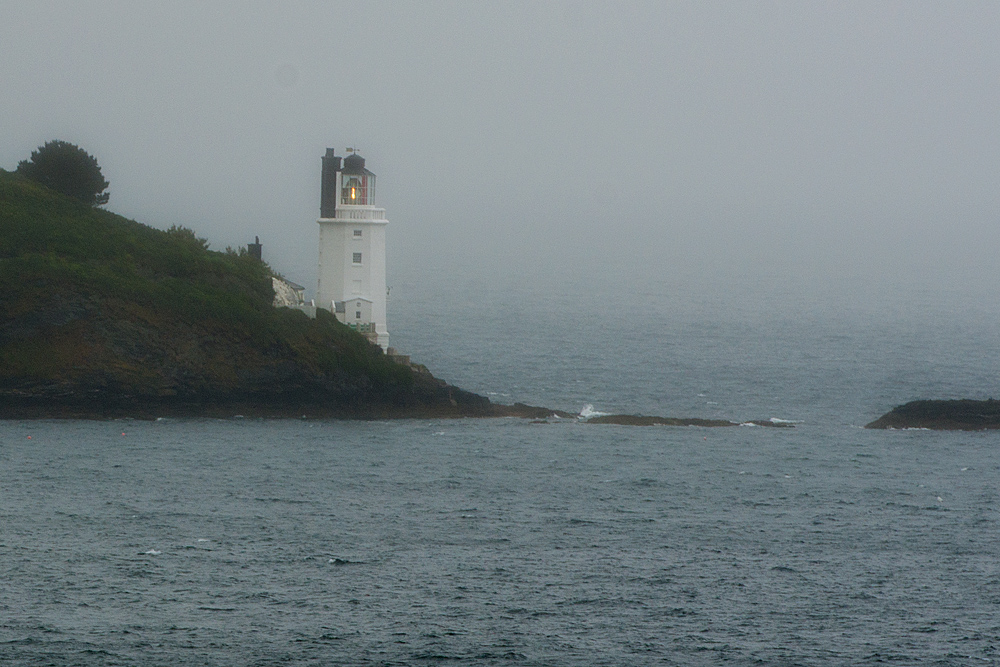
(100, 315)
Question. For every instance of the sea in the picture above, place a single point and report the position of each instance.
(516, 542)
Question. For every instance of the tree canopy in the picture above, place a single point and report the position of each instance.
(67, 169)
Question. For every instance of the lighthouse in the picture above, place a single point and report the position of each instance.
(351, 282)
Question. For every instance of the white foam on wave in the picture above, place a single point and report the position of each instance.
(152, 552)
(589, 411)
(776, 420)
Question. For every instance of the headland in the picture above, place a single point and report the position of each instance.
(102, 317)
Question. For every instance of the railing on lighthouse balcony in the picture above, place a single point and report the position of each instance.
(360, 213)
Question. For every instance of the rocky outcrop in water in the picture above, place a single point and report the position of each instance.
(952, 415)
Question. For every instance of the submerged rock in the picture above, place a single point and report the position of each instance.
(642, 420)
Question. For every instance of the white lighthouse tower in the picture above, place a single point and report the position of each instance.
(351, 280)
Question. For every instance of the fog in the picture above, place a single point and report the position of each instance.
(840, 150)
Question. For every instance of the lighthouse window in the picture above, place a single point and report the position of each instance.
(357, 233)
(357, 258)
(355, 190)
(357, 314)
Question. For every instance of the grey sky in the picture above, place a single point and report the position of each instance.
(793, 141)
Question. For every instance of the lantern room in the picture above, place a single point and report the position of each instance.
(357, 183)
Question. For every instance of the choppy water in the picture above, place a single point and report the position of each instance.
(503, 542)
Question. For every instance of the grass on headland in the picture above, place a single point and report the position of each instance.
(86, 291)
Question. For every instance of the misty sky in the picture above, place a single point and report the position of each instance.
(797, 142)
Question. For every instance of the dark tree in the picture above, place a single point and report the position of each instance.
(67, 169)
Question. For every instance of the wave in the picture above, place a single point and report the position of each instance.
(773, 420)
(588, 412)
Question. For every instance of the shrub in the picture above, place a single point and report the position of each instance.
(69, 170)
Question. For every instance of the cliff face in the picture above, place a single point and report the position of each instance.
(102, 316)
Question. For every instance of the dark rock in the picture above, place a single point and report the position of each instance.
(954, 415)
